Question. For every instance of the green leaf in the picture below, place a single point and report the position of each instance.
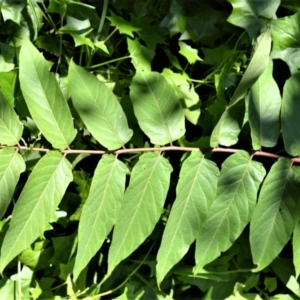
(235, 200)
(44, 98)
(98, 108)
(195, 193)
(141, 56)
(296, 249)
(256, 67)
(251, 14)
(10, 127)
(290, 115)
(11, 166)
(7, 85)
(188, 52)
(101, 209)
(36, 204)
(264, 110)
(276, 213)
(142, 206)
(229, 126)
(123, 26)
(286, 44)
(156, 108)
(11, 10)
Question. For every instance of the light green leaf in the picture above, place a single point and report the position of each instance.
(142, 206)
(101, 209)
(188, 52)
(290, 113)
(11, 166)
(36, 204)
(141, 56)
(11, 10)
(156, 107)
(229, 126)
(195, 192)
(237, 190)
(7, 85)
(44, 98)
(276, 213)
(98, 108)
(10, 127)
(286, 44)
(296, 249)
(256, 67)
(264, 110)
(251, 14)
(123, 26)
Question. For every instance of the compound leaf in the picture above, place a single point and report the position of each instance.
(142, 206)
(100, 210)
(36, 204)
(98, 108)
(195, 192)
(276, 213)
(231, 211)
(156, 107)
(44, 98)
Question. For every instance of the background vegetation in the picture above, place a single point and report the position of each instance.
(149, 149)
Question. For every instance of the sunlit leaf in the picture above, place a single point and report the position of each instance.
(36, 204)
(101, 209)
(10, 127)
(264, 109)
(123, 26)
(156, 107)
(11, 166)
(188, 52)
(142, 206)
(276, 213)
(98, 108)
(296, 248)
(230, 212)
(195, 192)
(44, 98)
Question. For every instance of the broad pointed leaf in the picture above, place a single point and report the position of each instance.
(10, 127)
(276, 213)
(11, 166)
(36, 204)
(296, 249)
(195, 192)
(98, 108)
(101, 209)
(290, 114)
(231, 211)
(156, 107)
(44, 98)
(264, 110)
(142, 206)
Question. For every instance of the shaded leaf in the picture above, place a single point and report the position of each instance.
(230, 212)
(195, 192)
(264, 109)
(296, 249)
(98, 108)
(156, 107)
(11, 166)
(142, 206)
(36, 204)
(101, 209)
(10, 127)
(7, 85)
(276, 213)
(44, 98)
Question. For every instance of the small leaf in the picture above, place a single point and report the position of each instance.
(231, 211)
(264, 110)
(141, 208)
(188, 52)
(44, 98)
(195, 192)
(98, 108)
(101, 209)
(156, 107)
(36, 205)
(276, 213)
(290, 115)
(296, 249)
(123, 26)
(11, 166)
(10, 127)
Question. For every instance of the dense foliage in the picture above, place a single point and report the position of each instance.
(149, 149)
